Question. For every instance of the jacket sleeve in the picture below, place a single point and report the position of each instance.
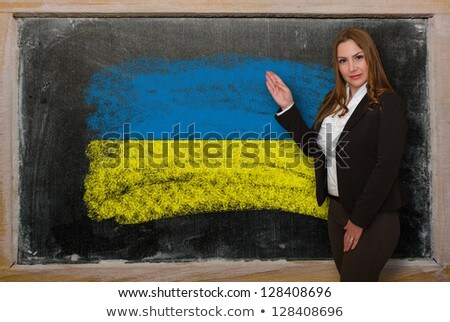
(390, 147)
(293, 122)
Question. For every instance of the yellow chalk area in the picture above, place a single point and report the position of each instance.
(138, 181)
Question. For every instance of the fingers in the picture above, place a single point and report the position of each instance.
(279, 91)
(355, 243)
(271, 76)
(347, 238)
(272, 88)
(352, 236)
(272, 85)
(348, 241)
(271, 80)
(276, 82)
(275, 78)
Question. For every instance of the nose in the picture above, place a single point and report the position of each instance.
(351, 66)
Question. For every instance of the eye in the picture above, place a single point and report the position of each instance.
(341, 60)
(359, 57)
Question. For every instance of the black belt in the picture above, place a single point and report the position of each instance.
(334, 198)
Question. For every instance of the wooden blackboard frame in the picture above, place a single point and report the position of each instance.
(438, 72)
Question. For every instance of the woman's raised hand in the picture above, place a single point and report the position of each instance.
(279, 91)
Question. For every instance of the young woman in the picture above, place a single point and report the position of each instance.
(357, 142)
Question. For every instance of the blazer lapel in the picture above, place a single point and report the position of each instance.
(359, 112)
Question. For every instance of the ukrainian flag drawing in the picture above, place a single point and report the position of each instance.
(175, 137)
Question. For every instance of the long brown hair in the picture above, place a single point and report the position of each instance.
(335, 101)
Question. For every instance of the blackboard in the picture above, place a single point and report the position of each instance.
(65, 64)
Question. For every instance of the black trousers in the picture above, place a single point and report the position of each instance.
(375, 247)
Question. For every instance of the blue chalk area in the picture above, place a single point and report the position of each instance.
(222, 97)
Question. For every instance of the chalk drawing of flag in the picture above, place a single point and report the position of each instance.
(174, 137)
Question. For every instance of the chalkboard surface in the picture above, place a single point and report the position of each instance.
(82, 78)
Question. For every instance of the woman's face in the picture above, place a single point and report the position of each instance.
(352, 64)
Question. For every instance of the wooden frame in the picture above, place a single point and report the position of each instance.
(438, 13)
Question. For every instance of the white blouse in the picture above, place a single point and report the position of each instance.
(328, 137)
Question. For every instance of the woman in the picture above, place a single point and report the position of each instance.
(357, 142)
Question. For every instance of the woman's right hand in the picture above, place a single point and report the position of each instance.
(279, 91)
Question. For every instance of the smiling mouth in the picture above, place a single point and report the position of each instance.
(355, 76)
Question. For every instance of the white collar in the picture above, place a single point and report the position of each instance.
(359, 93)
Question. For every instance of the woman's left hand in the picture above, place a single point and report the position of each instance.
(352, 235)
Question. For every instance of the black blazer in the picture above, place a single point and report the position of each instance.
(368, 155)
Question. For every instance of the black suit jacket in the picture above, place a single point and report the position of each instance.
(368, 155)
